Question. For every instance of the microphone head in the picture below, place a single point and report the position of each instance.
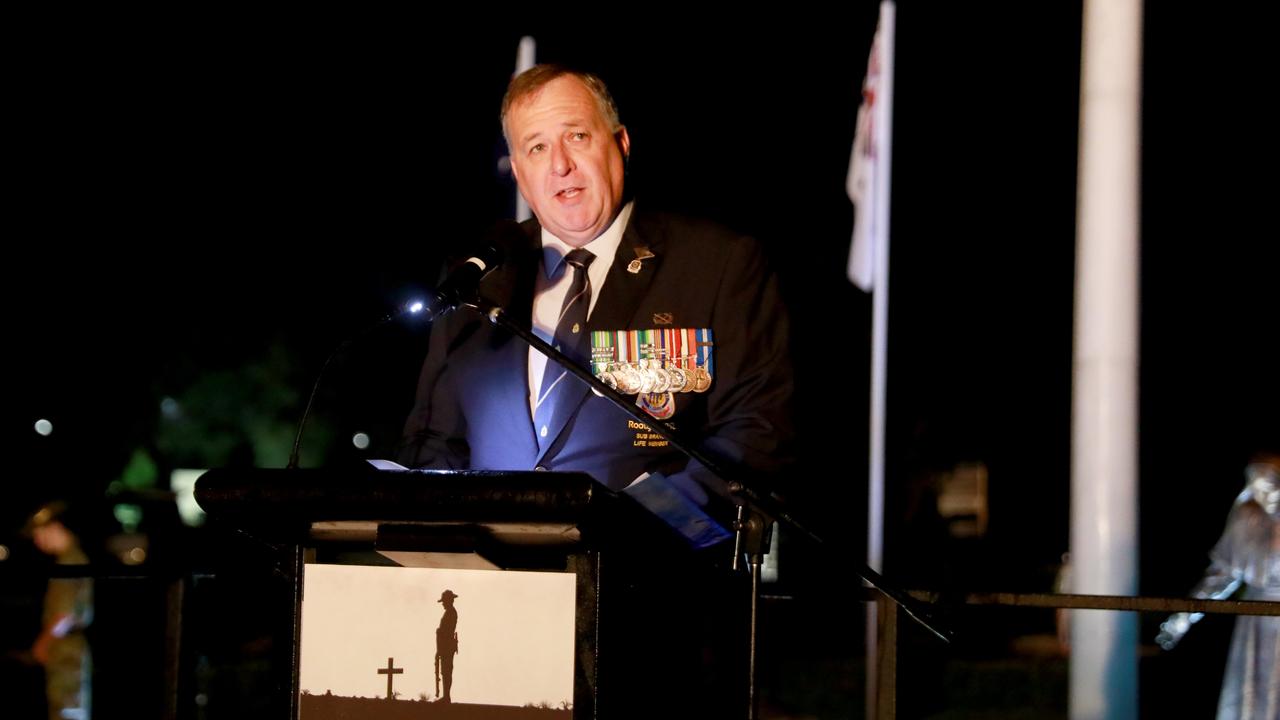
(500, 242)
(463, 281)
(506, 237)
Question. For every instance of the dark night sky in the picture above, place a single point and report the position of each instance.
(181, 201)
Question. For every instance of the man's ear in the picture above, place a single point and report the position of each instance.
(624, 142)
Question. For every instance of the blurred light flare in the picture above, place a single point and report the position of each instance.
(170, 408)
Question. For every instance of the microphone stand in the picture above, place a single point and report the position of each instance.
(296, 451)
(755, 511)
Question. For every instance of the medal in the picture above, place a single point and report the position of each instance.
(659, 405)
(702, 380)
(629, 380)
(678, 379)
(655, 363)
(661, 380)
(607, 378)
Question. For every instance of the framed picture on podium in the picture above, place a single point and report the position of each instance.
(391, 642)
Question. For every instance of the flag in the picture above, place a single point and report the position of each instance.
(868, 180)
(526, 56)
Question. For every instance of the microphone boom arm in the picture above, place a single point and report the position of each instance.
(739, 487)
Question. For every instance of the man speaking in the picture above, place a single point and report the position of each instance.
(682, 314)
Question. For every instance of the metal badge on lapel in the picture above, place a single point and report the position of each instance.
(642, 254)
(654, 364)
(663, 318)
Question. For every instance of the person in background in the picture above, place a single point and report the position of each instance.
(68, 609)
(1248, 556)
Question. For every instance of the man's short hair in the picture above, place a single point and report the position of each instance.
(531, 81)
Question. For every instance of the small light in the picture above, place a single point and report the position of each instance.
(4, 553)
(504, 165)
(201, 699)
(360, 440)
(169, 408)
(135, 556)
(44, 427)
(415, 307)
(128, 515)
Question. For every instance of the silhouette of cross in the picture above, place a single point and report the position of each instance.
(390, 671)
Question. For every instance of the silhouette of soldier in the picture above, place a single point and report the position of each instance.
(446, 644)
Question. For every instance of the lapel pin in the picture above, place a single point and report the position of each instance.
(642, 254)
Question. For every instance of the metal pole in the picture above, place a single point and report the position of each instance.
(1104, 548)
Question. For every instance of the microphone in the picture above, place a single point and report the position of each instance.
(459, 287)
(461, 284)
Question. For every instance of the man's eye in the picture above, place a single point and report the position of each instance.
(537, 149)
(579, 136)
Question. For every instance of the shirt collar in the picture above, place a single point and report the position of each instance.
(604, 247)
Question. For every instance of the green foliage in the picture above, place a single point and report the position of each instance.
(140, 473)
(244, 415)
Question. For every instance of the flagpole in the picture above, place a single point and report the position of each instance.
(881, 137)
(526, 57)
(1104, 423)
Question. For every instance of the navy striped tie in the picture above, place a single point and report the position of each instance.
(570, 339)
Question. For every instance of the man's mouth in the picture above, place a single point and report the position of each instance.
(569, 193)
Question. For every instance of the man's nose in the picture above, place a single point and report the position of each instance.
(561, 162)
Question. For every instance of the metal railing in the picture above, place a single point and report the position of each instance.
(888, 621)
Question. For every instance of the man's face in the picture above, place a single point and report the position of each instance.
(1264, 482)
(52, 539)
(567, 160)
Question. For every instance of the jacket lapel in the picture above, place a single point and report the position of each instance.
(640, 251)
(511, 287)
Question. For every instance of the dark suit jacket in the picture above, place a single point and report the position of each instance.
(472, 408)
